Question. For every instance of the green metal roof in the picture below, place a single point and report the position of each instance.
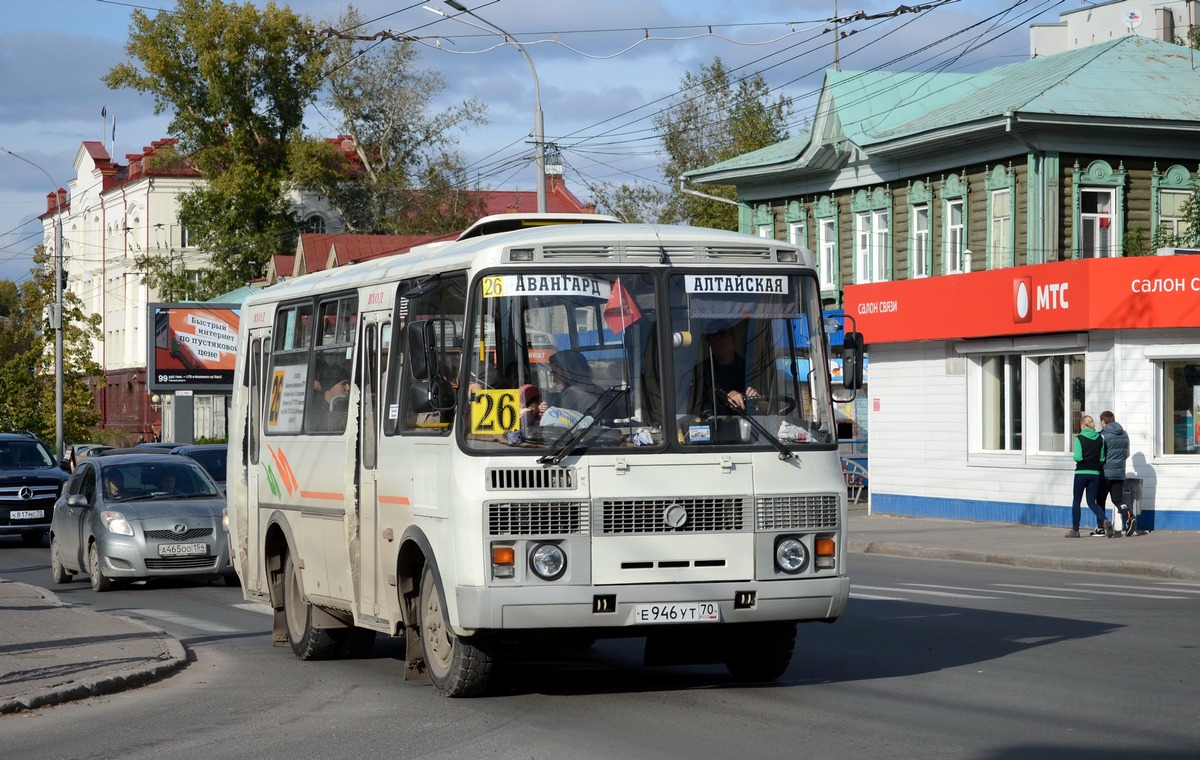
(1130, 78)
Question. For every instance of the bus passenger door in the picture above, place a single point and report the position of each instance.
(258, 402)
(376, 329)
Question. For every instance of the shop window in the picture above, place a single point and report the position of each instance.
(1181, 406)
(1001, 402)
(1060, 398)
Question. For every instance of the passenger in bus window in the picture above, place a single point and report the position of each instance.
(330, 401)
(572, 377)
(531, 406)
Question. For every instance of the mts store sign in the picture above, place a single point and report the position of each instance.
(1068, 296)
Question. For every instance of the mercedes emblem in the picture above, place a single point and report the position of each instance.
(26, 493)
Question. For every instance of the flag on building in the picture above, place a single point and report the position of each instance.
(104, 111)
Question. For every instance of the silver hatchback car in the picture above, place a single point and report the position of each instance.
(136, 516)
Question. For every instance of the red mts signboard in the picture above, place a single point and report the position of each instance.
(1067, 296)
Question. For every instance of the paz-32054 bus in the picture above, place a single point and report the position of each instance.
(574, 431)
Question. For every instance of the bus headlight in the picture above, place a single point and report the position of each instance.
(548, 561)
(790, 555)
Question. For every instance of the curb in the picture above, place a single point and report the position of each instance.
(1039, 562)
(171, 658)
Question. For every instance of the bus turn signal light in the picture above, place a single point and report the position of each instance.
(503, 562)
(826, 551)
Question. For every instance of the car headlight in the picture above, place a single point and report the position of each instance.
(548, 562)
(116, 523)
(790, 555)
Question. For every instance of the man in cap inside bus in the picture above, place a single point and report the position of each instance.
(573, 377)
(724, 368)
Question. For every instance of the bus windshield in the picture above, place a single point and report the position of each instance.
(556, 356)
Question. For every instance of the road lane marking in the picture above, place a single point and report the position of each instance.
(175, 618)
(1091, 591)
(1171, 588)
(997, 591)
(877, 598)
(265, 609)
(922, 591)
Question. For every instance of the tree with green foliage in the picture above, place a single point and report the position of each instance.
(712, 119)
(401, 172)
(236, 80)
(27, 386)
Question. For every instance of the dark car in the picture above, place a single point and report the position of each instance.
(31, 479)
(211, 456)
(136, 516)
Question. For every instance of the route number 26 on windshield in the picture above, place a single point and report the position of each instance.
(494, 412)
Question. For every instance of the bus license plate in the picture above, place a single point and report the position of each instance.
(179, 550)
(27, 514)
(687, 612)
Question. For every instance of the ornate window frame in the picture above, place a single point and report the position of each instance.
(1176, 178)
(1099, 174)
(825, 215)
(920, 195)
(1001, 179)
(873, 205)
(954, 188)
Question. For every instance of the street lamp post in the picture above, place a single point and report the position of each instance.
(539, 140)
(56, 318)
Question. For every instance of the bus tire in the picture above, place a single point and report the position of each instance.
(759, 651)
(307, 642)
(457, 667)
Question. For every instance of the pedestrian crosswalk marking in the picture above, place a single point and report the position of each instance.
(255, 607)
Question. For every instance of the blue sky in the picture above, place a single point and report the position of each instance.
(605, 68)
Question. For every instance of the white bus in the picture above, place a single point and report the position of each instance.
(568, 432)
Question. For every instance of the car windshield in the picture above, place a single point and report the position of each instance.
(157, 481)
(16, 455)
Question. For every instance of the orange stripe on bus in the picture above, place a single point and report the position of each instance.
(395, 500)
(323, 495)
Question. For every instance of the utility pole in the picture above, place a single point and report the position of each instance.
(56, 322)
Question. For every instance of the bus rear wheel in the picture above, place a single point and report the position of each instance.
(457, 667)
(759, 651)
(307, 642)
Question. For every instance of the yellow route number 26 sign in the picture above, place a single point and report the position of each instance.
(495, 412)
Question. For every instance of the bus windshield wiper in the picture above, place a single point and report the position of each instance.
(576, 432)
(784, 451)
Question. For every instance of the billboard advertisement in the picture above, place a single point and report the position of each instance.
(192, 346)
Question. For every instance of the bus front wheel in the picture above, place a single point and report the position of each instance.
(756, 652)
(308, 642)
(457, 667)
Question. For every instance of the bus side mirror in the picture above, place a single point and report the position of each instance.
(421, 349)
(852, 360)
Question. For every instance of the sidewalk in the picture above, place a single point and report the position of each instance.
(51, 652)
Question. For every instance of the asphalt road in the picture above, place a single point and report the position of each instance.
(934, 660)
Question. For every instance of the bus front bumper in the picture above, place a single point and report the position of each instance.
(623, 607)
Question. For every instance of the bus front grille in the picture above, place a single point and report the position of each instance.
(686, 515)
(792, 512)
(529, 478)
(531, 518)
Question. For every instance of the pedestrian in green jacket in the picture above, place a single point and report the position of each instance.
(1089, 463)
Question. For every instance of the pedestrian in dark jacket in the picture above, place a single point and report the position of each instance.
(1116, 452)
(1089, 461)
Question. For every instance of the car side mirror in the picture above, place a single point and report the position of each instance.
(77, 500)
